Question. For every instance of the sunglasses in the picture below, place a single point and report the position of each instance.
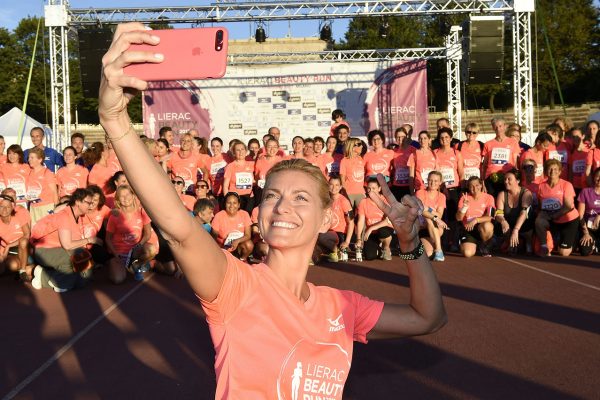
(357, 144)
(470, 133)
(177, 182)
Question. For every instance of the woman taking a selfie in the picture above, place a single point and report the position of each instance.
(294, 323)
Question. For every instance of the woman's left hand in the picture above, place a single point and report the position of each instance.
(404, 214)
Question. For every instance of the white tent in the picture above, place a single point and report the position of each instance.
(9, 128)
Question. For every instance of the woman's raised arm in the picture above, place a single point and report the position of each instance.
(199, 257)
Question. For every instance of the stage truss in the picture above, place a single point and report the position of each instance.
(60, 18)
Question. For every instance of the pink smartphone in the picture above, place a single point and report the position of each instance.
(196, 53)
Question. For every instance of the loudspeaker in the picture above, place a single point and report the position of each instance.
(484, 55)
(93, 44)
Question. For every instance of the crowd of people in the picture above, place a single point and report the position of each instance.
(58, 210)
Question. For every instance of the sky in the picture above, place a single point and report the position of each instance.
(13, 11)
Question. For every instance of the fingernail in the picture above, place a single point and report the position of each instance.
(159, 56)
(155, 38)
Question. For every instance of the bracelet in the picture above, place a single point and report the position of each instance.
(112, 140)
(414, 254)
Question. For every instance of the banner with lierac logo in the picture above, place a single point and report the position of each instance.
(297, 98)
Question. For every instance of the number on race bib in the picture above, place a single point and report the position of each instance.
(500, 155)
(579, 167)
(402, 175)
(471, 171)
(448, 176)
(243, 180)
(551, 204)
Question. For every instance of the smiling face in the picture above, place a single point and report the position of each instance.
(34, 160)
(334, 186)
(186, 142)
(125, 198)
(37, 136)
(84, 206)
(239, 151)
(161, 149)
(343, 134)
(424, 140)
(216, 147)
(445, 140)
(331, 144)
(474, 187)
(69, 156)
(292, 215)
(6, 208)
(232, 205)
(433, 182)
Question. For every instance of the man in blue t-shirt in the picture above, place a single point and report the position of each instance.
(53, 160)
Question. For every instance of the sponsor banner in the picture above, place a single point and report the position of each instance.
(247, 101)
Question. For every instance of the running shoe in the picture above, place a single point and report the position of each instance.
(138, 275)
(485, 251)
(333, 257)
(36, 282)
(56, 288)
(438, 255)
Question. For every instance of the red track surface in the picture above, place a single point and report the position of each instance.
(514, 333)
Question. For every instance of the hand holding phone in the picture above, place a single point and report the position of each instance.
(189, 54)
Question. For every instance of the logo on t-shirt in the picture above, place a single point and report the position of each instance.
(336, 325)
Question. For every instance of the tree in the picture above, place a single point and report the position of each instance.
(572, 32)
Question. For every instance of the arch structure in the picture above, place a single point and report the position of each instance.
(60, 18)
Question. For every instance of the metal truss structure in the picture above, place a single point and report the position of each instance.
(60, 18)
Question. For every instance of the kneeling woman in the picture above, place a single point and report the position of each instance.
(14, 238)
(434, 203)
(232, 228)
(373, 226)
(475, 209)
(589, 213)
(58, 236)
(128, 236)
(557, 212)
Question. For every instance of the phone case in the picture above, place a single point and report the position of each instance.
(196, 53)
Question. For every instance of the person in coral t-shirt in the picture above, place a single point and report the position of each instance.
(421, 163)
(232, 228)
(434, 203)
(475, 210)
(402, 181)
(537, 153)
(218, 162)
(42, 192)
(262, 166)
(300, 335)
(128, 235)
(239, 177)
(185, 163)
(499, 154)
(97, 156)
(14, 238)
(557, 212)
(379, 159)
(352, 171)
(187, 200)
(373, 230)
(15, 173)
(71, 176)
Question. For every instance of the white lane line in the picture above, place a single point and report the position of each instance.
(551, 273)
(71, 342)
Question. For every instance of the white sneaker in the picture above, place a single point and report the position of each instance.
(56, 288)
(36, 282)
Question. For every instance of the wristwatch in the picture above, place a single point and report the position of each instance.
(414, 254)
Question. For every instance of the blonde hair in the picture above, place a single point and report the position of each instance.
(303, 166)
(118, 192)
(349, 146)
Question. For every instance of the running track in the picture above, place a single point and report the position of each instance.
(523, 328)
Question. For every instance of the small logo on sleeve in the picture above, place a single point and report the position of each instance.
(336, 325)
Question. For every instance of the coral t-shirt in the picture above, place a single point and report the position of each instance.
(353, 170)
(378, 163)
(471, 155)
(113, 163)
(538, 157)
(186, 168)
(577, 164)
(340, 207)
(551, 199)
(477, 207)
(100, 175)
(44, 233)
(438, 202)
(241, 177)
(188, 201)
(423, 162)
(15, 177)
(561, 153)
(230, 228)
(22, 213)
(371, 212)
(11, 231)
(38, 186)
(126, 229)
(270, 345)
(500, 156)
(96, 219)
(593, 158)
(400, 166)
(69, 180)
(447, 165)
(261, 167)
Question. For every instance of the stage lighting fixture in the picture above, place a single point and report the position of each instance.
(325, 33)
(260, 35)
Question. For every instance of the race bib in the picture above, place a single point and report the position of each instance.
(231, 237)
(579, 167)
(402, 175)
(425, 176)
(448, 176)
(33, 193)
(19, 187)
(471, 171)
(218, 168)
(243, 180)
(551, 205)
(500, 155)
(261, 183)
